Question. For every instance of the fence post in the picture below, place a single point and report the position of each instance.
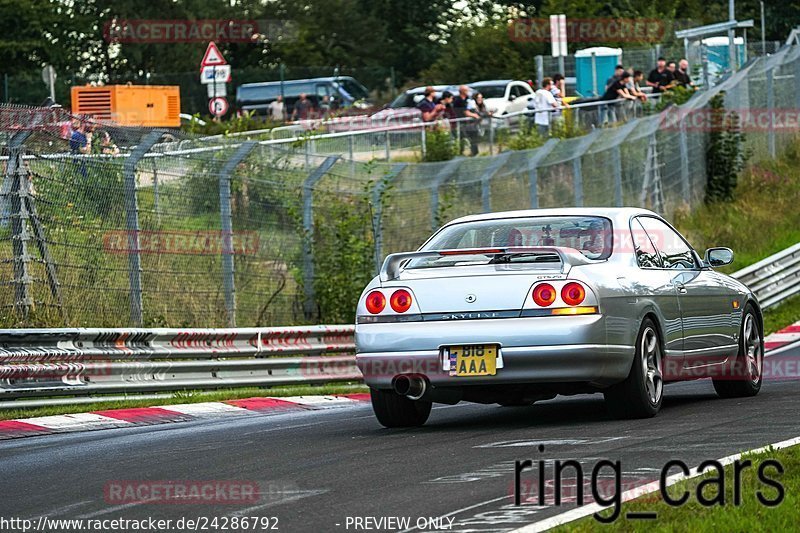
(684, 154)
(377, 211)
(491, 136)
(533, 170)
(491, 170)
(616, 158)
(19, 223)
(424, 141)
(797, 83)
(132, 225)
(577, 181)
(308, 230)
(226, 225)
(156, 199)
(539, 70)
(443, 175)
(770, 108)
(388, 147)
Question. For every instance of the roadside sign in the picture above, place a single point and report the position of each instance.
(212, 57)
(216, 89)
(218, 106)
(558, 35)
(215, 74)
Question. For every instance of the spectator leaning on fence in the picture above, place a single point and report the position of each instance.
(430, 109)
(544, 103)
(659, 78)
(615, 91)
(476, 111)
(558, 89)
(618, 70)
(634, 85)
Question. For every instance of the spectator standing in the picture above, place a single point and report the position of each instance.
(559, 90)
(660, 78)
(107, 145)
(682, 74)
(80, 142)
(277, 110)
(302, 108)
(544, 102)
(430, 109)
(476, 110)
(325, 106)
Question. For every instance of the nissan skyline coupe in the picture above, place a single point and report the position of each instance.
(521, 306)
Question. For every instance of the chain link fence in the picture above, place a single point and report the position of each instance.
(138, 227)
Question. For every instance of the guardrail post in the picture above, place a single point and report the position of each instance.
(132, 224)
(377, 211)
(16, 181)
(616, 158)
(770, 110)
(308, 230)
(491, 170)
(226, 224)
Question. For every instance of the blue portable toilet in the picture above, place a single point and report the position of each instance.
(717, 50)
(605, 59)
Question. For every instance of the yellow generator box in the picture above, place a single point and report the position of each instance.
(130, 105)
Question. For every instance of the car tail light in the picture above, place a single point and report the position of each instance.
(544, 294)
(400, 301)
(376, 302)
(573, 293)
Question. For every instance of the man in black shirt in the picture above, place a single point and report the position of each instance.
(660, 78)
(618, 89)
(682, 74)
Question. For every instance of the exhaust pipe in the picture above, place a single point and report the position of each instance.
(412, 387)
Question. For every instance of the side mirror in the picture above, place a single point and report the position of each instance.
(717, 257)
(512, 97)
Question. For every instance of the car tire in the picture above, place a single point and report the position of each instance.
(640, 395)
(395, 411)
(743, 377)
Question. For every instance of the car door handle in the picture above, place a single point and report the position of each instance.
(681, 289)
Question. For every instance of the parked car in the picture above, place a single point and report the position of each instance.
(406, 103)
(504, 96)
(343, 92)
(516, 307)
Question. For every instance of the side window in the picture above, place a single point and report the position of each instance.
(646, 254)
(674, 251)
(322, 90)
(517, 90)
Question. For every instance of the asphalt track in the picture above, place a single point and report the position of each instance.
(316, 469)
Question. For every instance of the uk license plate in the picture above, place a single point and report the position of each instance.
(473, 360)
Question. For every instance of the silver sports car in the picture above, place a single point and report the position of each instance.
(516, 307)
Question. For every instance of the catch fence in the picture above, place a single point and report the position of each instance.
(177, 231)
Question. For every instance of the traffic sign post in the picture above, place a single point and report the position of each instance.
(214, 73)
(218, 106)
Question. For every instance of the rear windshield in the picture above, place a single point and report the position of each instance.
(590, 235)
(491, 91)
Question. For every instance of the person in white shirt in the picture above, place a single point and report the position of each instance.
(277, 111)
(544, 103)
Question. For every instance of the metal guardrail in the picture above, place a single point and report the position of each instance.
(59, 362)
(74, 362)
(775, 278)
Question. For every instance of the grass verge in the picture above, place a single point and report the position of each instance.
(750, 515)
(785, 314)
(196, 396)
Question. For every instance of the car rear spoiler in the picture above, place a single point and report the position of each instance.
(569, 257)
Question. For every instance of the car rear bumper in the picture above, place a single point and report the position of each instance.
(533, 350)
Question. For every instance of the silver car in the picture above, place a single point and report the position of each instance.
(516, 307)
